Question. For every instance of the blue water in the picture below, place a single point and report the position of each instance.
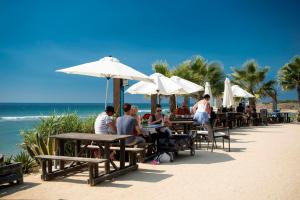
(21, 116)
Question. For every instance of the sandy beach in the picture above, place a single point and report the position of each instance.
(264, 164)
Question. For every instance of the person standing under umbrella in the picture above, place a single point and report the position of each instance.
(202, 110)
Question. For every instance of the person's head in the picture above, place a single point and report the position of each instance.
(184, 104)
(127, 108)
(206, 97)
(134, 110)
(109, 110)
(158, 108)
(240, 104)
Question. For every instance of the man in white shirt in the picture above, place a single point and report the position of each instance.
(104, 123)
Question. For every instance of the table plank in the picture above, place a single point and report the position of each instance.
(90, 137)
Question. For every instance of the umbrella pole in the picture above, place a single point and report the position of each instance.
(106, 94)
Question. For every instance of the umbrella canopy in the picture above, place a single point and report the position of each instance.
(107, 67)
(208, 91)
(160, 85)
(187, 86)
(237, 91)
(227, 95)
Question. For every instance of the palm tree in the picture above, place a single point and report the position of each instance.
(201, 71)
(269, 89)
(289, 77)
(250, 77)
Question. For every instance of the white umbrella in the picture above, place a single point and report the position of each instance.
(227, 95)
(187, 86)
(108, 67)
(160, 85)
(237, 91)
(208, 91)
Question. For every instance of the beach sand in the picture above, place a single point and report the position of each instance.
(264, 164)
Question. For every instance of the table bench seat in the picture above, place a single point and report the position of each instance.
(68, 158)
(92, 163)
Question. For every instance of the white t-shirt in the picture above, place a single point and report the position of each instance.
(101, 123)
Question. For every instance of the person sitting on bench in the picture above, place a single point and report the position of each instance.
(127, 125)
(104, 123)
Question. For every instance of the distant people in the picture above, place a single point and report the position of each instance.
(240, 108)
(224, 110)
(202, 110)
(248, 111)
(104, 123)
(212, 116)
(128, 125)
(183, 110)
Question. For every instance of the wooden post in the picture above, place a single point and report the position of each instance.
(153, 103)
(118, 96)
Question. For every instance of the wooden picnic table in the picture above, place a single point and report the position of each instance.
(103, 142)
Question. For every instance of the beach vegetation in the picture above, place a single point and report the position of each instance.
(37, 141)
(28, 163)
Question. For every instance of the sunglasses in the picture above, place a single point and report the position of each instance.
(158, 110)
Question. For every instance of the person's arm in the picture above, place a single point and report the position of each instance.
(112, 126)
(195, 108)
(208, 109)
(153, 122)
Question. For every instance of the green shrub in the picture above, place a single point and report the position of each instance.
(37, 141)
(27, 162)
(8, 160)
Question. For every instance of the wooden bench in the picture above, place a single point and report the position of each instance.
(47, 173)
(10, 173)
(133, 151)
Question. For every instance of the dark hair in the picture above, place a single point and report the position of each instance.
(206, 96)
(158, 106)
(240, 104)
(126, 107)
(109, 109)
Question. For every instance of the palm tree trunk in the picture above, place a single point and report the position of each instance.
(172, 103)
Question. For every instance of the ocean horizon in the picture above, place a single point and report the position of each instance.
(15, 117)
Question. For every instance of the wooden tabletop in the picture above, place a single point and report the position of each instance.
(90, 137)
(182, 121)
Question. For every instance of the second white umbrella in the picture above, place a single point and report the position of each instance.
(187, 86)
(160, 85)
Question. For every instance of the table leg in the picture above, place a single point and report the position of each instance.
(122, 154)
(61, 146)
(107, 156)
(77, 149)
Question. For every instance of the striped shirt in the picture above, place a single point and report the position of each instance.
(101, 123)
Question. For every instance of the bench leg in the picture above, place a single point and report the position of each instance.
(44, 173)
(91, 174)
(49, 166)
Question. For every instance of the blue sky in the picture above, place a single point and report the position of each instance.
(38, 37)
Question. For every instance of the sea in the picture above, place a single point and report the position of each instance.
(15, 117)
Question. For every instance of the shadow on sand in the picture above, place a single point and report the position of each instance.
(10, 189)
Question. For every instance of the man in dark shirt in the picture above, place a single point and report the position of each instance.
(240, 108)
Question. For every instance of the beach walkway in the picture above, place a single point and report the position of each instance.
(264, 164)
